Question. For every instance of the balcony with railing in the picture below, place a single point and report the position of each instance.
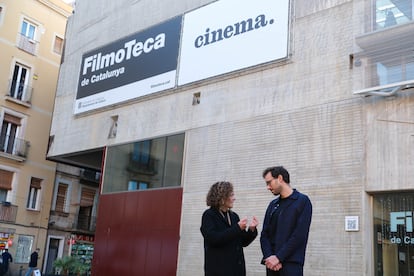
(90, 177)
(27, 44)
(19, 93)
(385, 51)
(85, 223)
(72, 222)
(8, 212)
(13, 147)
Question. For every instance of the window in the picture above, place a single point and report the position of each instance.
(58, 45)
(393, 68)
(3, 195)
(28, 30)
(386, 55)
(137, 185)
(389, 13)
(34, 193)
(9, 136)
(6, 178)
(24, 249)
(1, 15)
(393, 233)
(149, 164)
(19, 88)
(389, 69)
(9, 132)
(61, 195)
(27, 40)
(141, 153)
(85, 209)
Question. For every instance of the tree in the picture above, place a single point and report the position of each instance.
(70, 265)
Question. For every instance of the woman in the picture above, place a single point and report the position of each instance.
(224, 233)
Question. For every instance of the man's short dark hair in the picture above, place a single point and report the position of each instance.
(276, 171)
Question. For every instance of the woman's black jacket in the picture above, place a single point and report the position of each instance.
(223, 244)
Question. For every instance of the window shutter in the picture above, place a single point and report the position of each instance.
(87, 197)
(12, 119)
(61, 198)
(35, 183)
(6, 178)
(57, 47)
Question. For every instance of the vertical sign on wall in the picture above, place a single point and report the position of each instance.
(140, 64)
(228, 35)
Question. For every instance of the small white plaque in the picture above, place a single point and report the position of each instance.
(351, 223)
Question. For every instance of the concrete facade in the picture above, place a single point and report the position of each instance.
(301, 112)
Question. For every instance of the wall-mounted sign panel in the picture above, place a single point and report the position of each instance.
(140, 64)
(229, 35)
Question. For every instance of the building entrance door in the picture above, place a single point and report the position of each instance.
(52, 255)
(393, 232)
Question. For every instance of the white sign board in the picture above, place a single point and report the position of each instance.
(229, 35)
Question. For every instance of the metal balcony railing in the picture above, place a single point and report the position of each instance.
(147, 166)
(90, 175)
(19, 92)
(14, 146)
(27, 44)
(84, 222)
(8, 212)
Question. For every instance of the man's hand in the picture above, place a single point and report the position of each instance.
(273, 263)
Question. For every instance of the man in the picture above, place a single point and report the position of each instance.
(286, 225)
(33, 262)
(6, 258)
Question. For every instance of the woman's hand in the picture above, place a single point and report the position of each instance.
(253, 224)
(243, 223)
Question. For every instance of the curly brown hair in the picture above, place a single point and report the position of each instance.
(219, 192)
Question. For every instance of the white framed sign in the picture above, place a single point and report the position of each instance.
(228, 35)
(351, 223)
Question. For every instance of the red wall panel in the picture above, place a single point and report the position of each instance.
(137, 233)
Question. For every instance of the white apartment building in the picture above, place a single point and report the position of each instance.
(32, 34)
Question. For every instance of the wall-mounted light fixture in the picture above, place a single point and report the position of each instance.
(114, 127)
(196, 98)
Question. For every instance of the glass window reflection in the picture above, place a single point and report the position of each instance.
(389, 13)
(393, 235)
(149, 164)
